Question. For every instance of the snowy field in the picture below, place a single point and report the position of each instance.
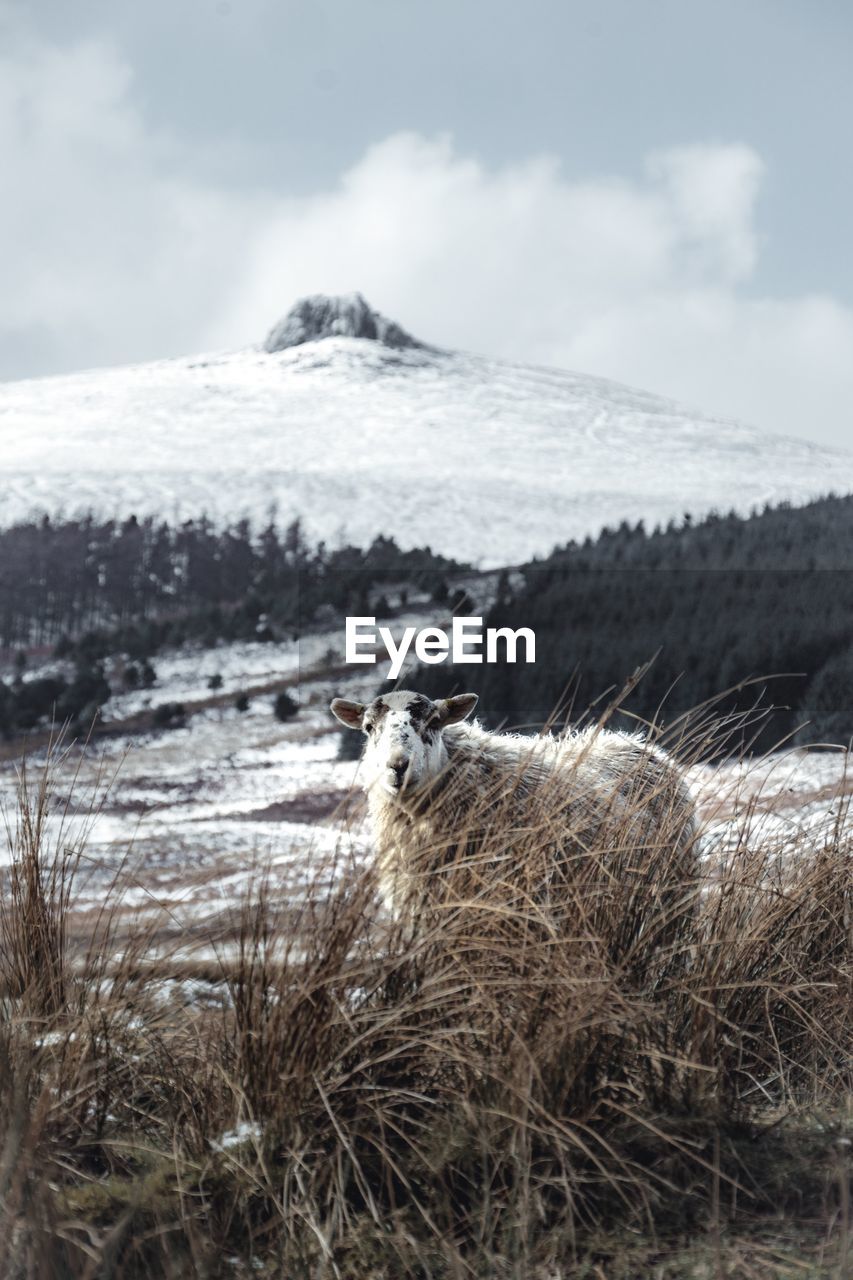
(180, 823)
(358, 439)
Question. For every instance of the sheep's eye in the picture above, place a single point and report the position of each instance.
(367, 727)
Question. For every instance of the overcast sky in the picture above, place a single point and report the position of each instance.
(658, 191)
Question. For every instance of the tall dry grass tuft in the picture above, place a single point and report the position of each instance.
(598, 1064)
(771, 985)
(33, 911)
(285, 988)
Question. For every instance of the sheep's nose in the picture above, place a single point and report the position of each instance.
(398, 765)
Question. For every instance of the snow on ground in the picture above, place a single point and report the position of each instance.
(176, 826)
(785, 803)
(428, 446)
(184, 675)
(179, 824)
(189, 817)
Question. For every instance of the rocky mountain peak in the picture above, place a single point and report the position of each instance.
(342, 315)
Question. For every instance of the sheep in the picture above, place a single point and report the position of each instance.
(444, 794)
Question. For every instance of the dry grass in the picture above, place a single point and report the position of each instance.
(558, 1074)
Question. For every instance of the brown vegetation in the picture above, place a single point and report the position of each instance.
(572, 1083)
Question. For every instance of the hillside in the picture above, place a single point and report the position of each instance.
(485, 460)
(768, 598)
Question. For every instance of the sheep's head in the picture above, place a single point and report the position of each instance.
(404, 748)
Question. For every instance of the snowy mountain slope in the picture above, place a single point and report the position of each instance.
(483, 459)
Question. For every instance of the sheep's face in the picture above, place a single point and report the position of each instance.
(404, 749)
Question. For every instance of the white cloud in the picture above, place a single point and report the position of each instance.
(106, 253)
(711, 192)
(110, 253)
(645, 281)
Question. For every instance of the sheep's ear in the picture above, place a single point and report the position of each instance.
(349, 713)
(452, 710)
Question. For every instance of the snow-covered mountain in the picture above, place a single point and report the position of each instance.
(484, 459)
